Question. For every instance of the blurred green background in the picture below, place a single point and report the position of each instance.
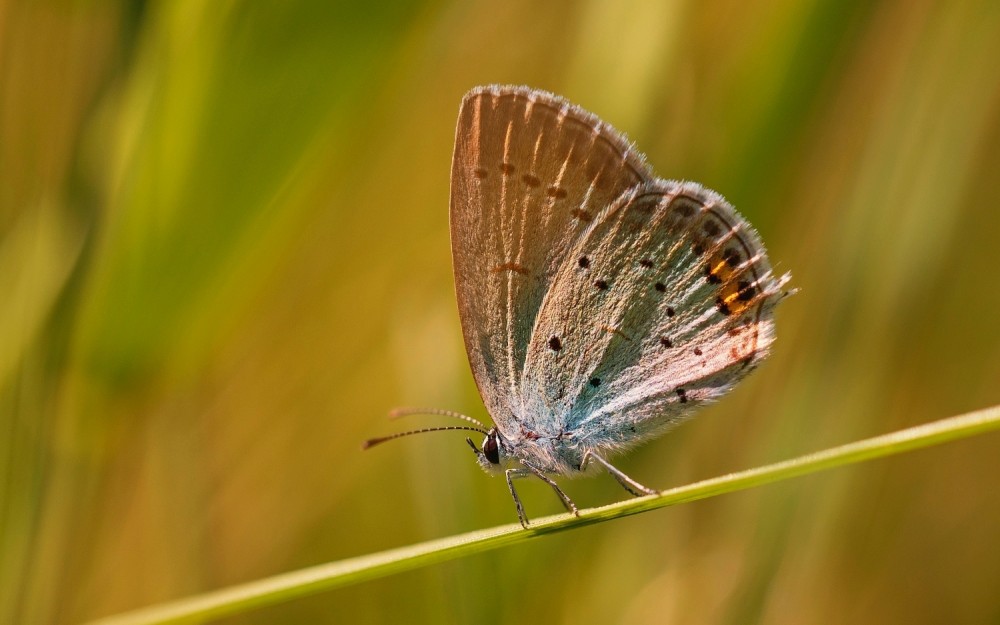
(224, 256)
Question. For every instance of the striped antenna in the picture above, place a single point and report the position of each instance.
(377, 441)
(396, 413)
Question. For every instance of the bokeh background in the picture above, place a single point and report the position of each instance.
(224, 255)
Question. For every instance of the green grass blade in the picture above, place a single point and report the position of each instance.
(283, 587)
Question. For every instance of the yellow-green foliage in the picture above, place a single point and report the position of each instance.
(224, 256)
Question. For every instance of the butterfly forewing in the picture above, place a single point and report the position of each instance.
(531, 173)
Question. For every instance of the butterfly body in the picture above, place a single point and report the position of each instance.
(600, 305)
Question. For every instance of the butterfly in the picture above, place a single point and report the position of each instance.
(600, 305)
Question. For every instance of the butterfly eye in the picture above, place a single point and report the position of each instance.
(491, 449)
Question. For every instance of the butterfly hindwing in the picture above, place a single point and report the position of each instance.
(662, 304)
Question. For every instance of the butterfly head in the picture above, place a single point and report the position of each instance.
(494, 453)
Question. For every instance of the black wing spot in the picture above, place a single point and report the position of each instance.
(595, 382)
(584, 262)
(732, 257)
(745, 290)
(555, 344)
(684, 206)
(601, 284)
(682, 394)
(659, 286)
(645, 262)
(711, 276)
(664, 341)
(697, 351)
(722, 306)
(670, 311)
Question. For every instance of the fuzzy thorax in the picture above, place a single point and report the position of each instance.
(556, 455)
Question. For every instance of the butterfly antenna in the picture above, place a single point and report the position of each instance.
(377, 441)
(396, 413)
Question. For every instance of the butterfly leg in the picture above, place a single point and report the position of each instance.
(633, 487)
(511, 474)
(563, 497)
(515, 473)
